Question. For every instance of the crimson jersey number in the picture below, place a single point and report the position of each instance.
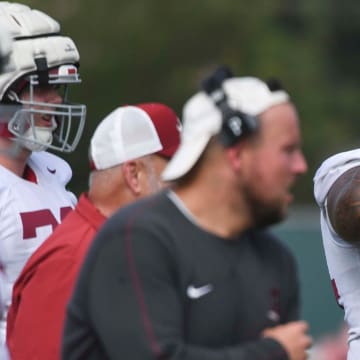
(33, 219)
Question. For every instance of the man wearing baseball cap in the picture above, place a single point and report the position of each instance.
(128, 152)
(192, 272)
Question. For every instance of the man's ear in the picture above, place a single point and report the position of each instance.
(234, 155)
(131, 172)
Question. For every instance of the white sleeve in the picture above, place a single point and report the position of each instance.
(343, 259)
(354, 349)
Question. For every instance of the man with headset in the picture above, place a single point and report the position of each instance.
(192, 272)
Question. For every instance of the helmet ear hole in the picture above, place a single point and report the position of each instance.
(13, 96)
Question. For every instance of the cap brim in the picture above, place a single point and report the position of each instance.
(185, 158)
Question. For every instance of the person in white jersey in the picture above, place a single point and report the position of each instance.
(33, 194)
(336, 190)
(5, 51)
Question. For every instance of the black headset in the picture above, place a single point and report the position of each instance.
(236, 124)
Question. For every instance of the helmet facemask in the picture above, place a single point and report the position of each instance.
(66, 120)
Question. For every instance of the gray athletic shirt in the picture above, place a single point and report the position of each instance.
(156, 286)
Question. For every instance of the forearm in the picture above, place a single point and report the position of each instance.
(343, 205)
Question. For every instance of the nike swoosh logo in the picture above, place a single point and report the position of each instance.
(52, 171)
(197, 292)
(273, 316)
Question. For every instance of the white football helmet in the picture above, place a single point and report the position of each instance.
(40, 57)
(7, 111)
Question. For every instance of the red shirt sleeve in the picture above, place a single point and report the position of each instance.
(35, 322)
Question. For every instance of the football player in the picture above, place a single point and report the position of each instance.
(336, 190)
(5, 50)
(33, 194)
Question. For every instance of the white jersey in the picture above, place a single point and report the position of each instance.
(29, 212)
(3, 350)
(343, 259)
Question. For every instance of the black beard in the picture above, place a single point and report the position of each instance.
(263, 213)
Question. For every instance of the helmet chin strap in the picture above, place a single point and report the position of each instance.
(32, 142)
(37, 138)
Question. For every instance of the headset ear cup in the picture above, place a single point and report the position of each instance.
(235, 124)
(215, 80)
(232, 128)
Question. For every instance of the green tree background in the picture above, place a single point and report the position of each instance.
(156, 50)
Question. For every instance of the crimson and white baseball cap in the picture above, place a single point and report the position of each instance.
(167, 125)
(133, 131)
(202, 119)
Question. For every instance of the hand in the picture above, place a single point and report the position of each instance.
(333, 346)
(293, 337)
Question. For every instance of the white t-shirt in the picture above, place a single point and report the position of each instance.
(29, 212)
(343, 259)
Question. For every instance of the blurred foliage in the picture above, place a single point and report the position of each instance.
(142, 50)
